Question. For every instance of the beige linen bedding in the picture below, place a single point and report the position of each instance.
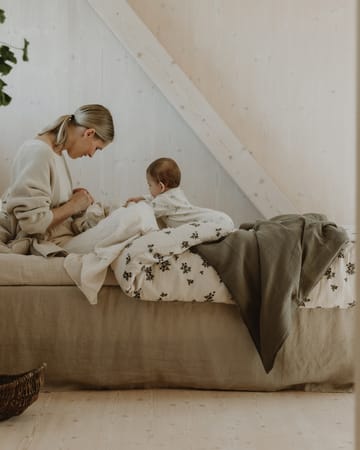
(124, 342)
(127, 343)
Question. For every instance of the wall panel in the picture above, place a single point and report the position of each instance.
(74, 60)
(282, 75)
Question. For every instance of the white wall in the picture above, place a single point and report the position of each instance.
(281, 73)
(74, 60)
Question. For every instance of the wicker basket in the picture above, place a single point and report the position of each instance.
(17, 392)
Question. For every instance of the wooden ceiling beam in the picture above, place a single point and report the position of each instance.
(191, 105)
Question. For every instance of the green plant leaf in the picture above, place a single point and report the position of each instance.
(5, 99)
(4, 67)
(25, 50)
(7, 54)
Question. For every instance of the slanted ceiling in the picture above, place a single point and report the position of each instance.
(192, 107)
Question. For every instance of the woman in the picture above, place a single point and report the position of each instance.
(40, 205)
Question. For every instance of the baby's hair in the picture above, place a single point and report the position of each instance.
(166, 171)
(88, 116)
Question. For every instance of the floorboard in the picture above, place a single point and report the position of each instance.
(182, 420)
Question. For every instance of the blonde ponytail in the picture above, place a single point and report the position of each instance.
(88, 116)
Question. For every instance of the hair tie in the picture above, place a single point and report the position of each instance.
(72, 117)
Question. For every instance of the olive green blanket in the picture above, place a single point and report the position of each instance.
(268, 266)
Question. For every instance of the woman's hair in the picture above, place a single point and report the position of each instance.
(88, 116)
(165, 170)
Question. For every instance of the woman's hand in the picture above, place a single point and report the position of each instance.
(81, 200)
(83, 189)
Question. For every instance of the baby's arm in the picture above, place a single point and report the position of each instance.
(134, 200)
(163, 206)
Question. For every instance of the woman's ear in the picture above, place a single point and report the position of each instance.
(90, 132)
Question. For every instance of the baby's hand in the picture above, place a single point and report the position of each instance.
(133, 200)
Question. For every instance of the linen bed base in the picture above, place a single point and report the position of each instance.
(123, 343)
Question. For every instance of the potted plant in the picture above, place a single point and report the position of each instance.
(7, 62)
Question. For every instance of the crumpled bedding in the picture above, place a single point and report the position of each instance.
(335, 290)
(271, 264)
(135, 248)
(159, 266)
(139, 253)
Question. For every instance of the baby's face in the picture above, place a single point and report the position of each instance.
(155, 187)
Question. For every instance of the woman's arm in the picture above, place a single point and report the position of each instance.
(31, 195)
(78, 203)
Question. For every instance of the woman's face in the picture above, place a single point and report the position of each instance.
(84, 142)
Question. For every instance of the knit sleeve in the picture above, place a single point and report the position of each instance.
(30, 195)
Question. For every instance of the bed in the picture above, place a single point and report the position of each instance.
(130, 341)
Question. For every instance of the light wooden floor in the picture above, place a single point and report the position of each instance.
(182, 419)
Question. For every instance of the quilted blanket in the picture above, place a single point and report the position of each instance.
(142, 256)
(268, 266)
(159, 266)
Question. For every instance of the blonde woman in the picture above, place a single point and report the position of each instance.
(40, 205)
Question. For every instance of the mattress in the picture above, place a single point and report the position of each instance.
(121, 343)
(190, 275)
(124, 342)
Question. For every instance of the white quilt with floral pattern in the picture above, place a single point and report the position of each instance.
(152, 268)
(159, 266)
(336, 289)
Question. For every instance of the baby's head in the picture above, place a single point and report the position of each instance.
(162, 174)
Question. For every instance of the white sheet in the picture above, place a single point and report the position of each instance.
(135, 227)
(93, 251)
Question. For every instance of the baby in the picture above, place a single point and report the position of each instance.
(169, 201)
